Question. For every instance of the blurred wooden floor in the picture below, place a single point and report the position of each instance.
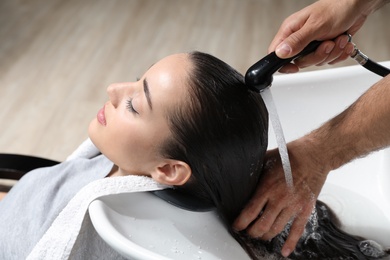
(57, 57)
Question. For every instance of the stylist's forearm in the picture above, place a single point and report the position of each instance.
(362, 128)
(366, 7)
(371, 6)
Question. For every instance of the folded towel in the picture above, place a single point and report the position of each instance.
(60, 238)
(86, 150)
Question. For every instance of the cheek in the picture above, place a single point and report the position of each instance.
(113, 138)
(126, 140)
(116, 145)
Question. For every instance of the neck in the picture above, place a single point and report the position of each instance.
(115, 171)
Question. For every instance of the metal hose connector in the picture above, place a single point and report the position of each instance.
(359, 56)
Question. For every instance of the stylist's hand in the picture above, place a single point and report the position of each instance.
(324, 20)
(274, 205)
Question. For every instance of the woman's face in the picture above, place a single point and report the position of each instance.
(132, 125)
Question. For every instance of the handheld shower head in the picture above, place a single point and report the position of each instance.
(259, 76)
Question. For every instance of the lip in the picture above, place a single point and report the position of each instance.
(101, 118)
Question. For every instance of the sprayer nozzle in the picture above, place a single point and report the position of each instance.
(259, 76)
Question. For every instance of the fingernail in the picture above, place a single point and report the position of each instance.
(259, 235)
(288, 71)
(236, 228)
(343, 42)
(255, 235)
(329, 49)
(286, 252)
(350, 49)
(283, 50)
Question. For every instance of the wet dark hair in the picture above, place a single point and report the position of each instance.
(222, 134)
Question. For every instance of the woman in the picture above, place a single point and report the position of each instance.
(189, 122)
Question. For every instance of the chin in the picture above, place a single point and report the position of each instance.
(92, 133)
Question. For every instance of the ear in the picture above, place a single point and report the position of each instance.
(172, 172)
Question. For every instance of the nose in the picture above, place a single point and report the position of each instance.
(116, 93)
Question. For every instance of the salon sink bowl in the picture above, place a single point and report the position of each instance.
(142, 226)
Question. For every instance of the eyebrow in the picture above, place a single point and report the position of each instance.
(147, 93)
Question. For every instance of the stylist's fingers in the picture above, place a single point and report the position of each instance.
(288, 27)
(290, 40)
(318, 56)
(297, 207)
(278, 225)
(296, 231)
(293, 44)
(292, 36)
(265, 222)
(250, 212)
(289, 68)
(321, 54)
(261, 198)
(345, 55)
(329, 52)
(341, 43)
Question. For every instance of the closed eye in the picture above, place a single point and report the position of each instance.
(129, 105)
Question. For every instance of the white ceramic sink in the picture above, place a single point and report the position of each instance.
(142, 226)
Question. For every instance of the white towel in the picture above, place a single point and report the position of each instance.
(59, 239)
(86, 150)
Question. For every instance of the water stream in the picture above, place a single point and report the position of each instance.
(281, 142)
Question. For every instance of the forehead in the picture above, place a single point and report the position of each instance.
(168, 84)
(177, 65)
(168, 78)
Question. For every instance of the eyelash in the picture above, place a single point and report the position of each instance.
(129, 105)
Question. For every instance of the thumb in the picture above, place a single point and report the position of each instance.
(294, 43)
